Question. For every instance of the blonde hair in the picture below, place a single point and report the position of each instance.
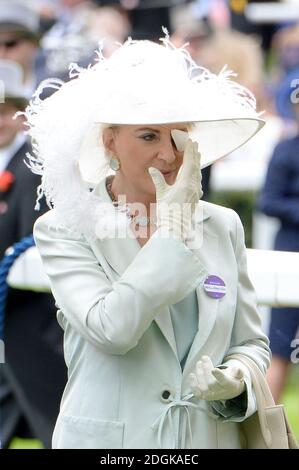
(240, 52)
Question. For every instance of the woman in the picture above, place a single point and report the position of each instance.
(151, 282)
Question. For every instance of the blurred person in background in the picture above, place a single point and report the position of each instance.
(19, 41)
(75, 36)
(193, 32)
(236, 179)
(240, 21)
(110, 23)
(69, 17)
(47, 12)
(240, 52)
(214, 49)
(146, 16)
(284, 69)
(243, 54)
(280, 199)
(285, 48)
(33, 376)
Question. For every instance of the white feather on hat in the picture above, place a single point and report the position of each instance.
(141, 83)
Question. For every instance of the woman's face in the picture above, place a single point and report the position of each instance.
(140, 147)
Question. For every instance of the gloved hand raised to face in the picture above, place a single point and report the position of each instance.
(212, 383)
(176, 203)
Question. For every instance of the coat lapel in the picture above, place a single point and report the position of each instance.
(207, 306)
(164, 322)
(13, 166)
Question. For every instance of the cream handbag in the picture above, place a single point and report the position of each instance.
(268, 427)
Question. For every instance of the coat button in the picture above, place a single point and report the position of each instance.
(165, 395)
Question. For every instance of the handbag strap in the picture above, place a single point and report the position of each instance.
(262, 392)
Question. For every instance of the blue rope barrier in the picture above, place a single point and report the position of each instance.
(5, 264)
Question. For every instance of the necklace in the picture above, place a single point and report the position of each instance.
(141, 220)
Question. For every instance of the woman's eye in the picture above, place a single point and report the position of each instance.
(148, 137)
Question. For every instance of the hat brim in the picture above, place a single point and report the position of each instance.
(34, 36)
(19, 101)
(215, 138)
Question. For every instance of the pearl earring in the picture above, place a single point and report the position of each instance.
(114, 163)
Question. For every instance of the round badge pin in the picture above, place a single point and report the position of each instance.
(214, 287)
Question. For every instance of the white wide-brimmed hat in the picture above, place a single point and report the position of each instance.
(141, 83)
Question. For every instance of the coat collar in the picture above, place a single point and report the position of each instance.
(8, 153)
(119, 253)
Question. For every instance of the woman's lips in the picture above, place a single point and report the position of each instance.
(168, 173)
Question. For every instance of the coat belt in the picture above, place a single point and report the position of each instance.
(167, 414)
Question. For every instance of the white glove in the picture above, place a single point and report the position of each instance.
(176, 203)
(210, 383)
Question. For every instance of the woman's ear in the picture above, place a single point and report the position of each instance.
(108, 136)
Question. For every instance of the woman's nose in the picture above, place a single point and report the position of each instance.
(167, 152)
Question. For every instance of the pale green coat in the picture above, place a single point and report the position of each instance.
(119, 342)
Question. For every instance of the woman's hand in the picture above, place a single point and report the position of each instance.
(212, 383)
(176, 203)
